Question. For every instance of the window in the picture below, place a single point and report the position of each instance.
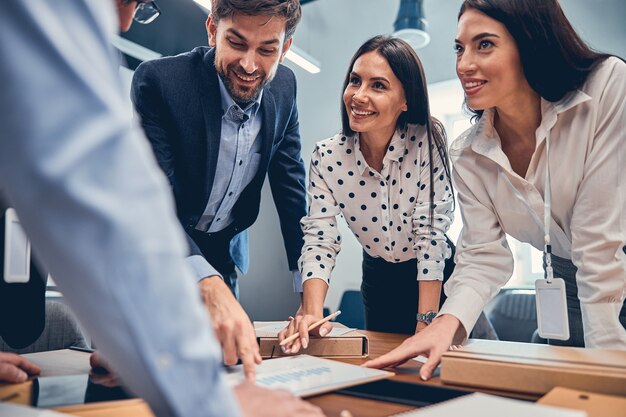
(446, 104)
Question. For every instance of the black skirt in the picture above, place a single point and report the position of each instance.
(391, 293)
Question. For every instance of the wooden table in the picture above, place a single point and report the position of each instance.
(332, 404)
(381, 343)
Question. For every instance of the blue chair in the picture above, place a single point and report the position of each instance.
(352, 310)
(513, 315)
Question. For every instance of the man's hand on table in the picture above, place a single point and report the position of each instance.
(101, 372)
(262, 402)
(231, 325)
(432, 342)
(15, 369)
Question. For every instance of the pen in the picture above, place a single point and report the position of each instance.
(311, 327)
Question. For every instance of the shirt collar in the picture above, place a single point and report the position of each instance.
(228, 102)
(551, 110)
(487, 139)
(395, 150)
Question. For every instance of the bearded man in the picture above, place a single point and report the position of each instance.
(219, 120)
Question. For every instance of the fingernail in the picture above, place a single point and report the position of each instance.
(284, 349)
(323, 332)
(305, 343)
(21, 376)
(423, 378)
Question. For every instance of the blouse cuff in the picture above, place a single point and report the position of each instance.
(466, 305)
(314, 269)
(602, 326)
(430, 270)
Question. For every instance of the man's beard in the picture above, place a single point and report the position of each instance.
(242, 95)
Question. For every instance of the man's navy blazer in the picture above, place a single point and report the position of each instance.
(179, 103)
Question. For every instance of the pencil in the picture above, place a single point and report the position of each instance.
(311, 327)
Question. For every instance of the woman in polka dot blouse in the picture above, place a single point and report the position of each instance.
(378, 174)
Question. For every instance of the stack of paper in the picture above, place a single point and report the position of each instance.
(341, 342)
(483, 405)
(306, 375)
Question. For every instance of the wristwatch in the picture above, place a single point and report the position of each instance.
(427, 317)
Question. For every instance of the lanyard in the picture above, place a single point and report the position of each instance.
(547, 215)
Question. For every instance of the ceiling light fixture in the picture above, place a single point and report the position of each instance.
(295, 54)
(302, 59)
(410, 25)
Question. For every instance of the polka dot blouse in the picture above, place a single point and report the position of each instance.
(388, 212)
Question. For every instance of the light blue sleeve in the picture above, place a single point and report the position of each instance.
(96, 206)
(202, 268)
(297, 281)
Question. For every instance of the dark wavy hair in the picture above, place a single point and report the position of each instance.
(407, 67)
(555, 60)
(290, 10)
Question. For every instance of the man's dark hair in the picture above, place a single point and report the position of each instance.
(288, 9)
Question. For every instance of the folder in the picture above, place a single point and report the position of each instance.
(534, 368)
(350, 343)
(596, 405)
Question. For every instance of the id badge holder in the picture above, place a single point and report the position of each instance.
(16, 250)
(552, 317)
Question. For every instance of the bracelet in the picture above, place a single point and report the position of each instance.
(427, 317)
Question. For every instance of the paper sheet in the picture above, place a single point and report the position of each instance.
(21, 411)
(305, 375)
(483, 405)
(277, 326)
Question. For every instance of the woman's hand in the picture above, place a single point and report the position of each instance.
(300, 324)
(432, 342)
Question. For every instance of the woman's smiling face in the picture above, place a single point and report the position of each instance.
(374, 97)
(488, 62)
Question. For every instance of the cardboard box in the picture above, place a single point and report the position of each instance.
(534, 368)
(596, 405)
(353, 344)
(122, 408)
(21, 393)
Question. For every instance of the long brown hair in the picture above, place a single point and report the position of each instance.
(407, 67)
(554, 58)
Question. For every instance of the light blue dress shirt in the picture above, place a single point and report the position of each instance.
(97, 208)
(237, 164)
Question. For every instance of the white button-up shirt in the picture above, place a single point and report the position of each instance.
(387, 211)
(587, 133)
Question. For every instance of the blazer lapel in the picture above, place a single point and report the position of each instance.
(268, 130)
(212, 112)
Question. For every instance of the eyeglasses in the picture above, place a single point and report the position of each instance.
(146, 12)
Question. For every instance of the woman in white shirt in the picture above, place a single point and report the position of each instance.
(378, 174)
(532, 81)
